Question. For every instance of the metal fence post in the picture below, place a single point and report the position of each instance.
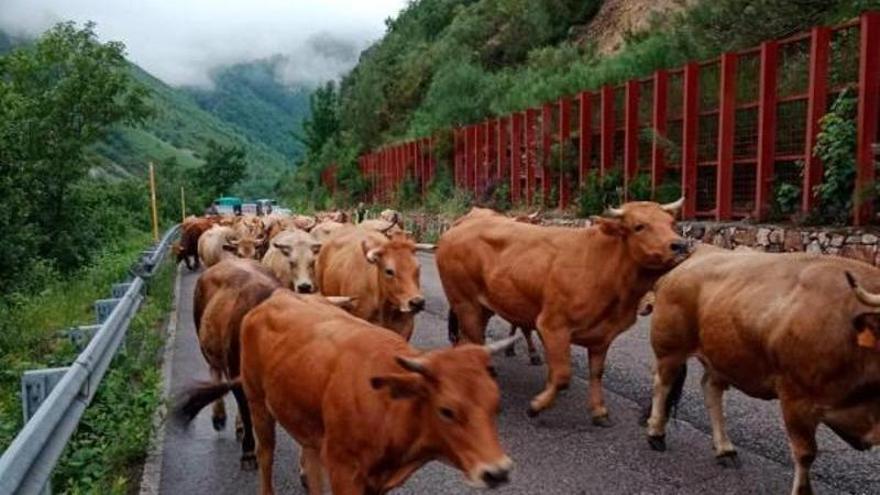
(547, 172)
(585, 136)
(516, 137)
(659, 115)
(563, 139)
(817, 104)
(631, 135)
(502, 158)
(531, 153)
(869, 104)
(606, 161)
(690, 121)
(766, 128)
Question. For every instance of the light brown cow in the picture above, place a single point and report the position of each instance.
(381, 226)
(366, 408)
(783, 326)
(327, 229)
(380, 273)
(574, 285)
(221, 242)
(291, 258)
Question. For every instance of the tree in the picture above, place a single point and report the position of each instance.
(323, 122)
(225, 166)
(58, 96)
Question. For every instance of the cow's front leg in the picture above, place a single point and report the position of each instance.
(557, 351)
(713, 393)
(801, 428)
(597, 397)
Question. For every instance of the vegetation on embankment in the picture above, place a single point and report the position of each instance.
(113, 436)
(444, 62)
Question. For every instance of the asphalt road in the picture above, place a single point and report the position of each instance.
(560, 452)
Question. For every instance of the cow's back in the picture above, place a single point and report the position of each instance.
(783, 314)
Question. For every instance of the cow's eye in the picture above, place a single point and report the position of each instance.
(640, 227)
(447, 414)
(389, 272)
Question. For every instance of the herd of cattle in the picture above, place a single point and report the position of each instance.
(306, 321)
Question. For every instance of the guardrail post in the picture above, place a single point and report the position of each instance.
(869, 109)
(103, 308)
(726, 123)
(658, 152)
(79, 336)
(690, 121)
(766, 128)
(36, 386)
(119, 290)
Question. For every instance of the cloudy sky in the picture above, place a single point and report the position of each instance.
(181, 41)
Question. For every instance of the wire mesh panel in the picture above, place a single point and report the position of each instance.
(791, 122)
(707, 138)
(710, 81)
(706, 178)
(843, 68)
(793, 69)
(646, 123)
(743, 197)
(675, 107)
(745, 136)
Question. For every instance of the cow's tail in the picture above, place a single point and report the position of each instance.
(672, 399)
(199, 396)
(454, 331)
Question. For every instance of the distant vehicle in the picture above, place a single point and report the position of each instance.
(265, 206)
(249, 208)
(283, 211)
(228, 205)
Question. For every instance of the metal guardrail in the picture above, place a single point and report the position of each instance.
(53, 400)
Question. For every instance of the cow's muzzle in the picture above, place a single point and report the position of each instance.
(305, 288)
(417, 304)
(493, 475)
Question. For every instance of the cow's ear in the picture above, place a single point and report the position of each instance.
(401, 385)
(610, 226)
(371, 252)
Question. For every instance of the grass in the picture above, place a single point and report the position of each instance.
(106, 451)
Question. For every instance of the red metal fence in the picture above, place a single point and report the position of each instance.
(729, 130)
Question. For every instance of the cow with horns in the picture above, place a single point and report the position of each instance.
(573, 285)
(795, 327)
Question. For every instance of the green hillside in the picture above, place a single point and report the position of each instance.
(182, 129)
(250, 97)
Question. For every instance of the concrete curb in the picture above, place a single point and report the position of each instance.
(151, 479)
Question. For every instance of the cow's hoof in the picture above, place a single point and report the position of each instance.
(603, 421)
(728, 460)
(304, 482)
(218, 422)
(645, 416)
(510, 351)
(535, 361)
(532, 412)
(239, 433)
(657, 442)
(248, 462)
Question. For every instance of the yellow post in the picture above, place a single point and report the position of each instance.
(182, 205)
(153, 203)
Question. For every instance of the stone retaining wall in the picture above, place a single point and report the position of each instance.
(858, 243)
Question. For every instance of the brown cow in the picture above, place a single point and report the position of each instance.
(188, 248)
(574, 285)
(366, 408)
(380, 273)
(783, 326)
(327, 229)
(222, 297)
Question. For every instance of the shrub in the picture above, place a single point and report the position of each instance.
(836, 147)
(600, 192)
(640, 187)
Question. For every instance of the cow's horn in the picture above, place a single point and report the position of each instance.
(311, 225)
(674, 206)
(340, 301)
(500, 345)
(412, 364)
(613, 212)
(426, 248)
(862, 295)
(384, 230)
